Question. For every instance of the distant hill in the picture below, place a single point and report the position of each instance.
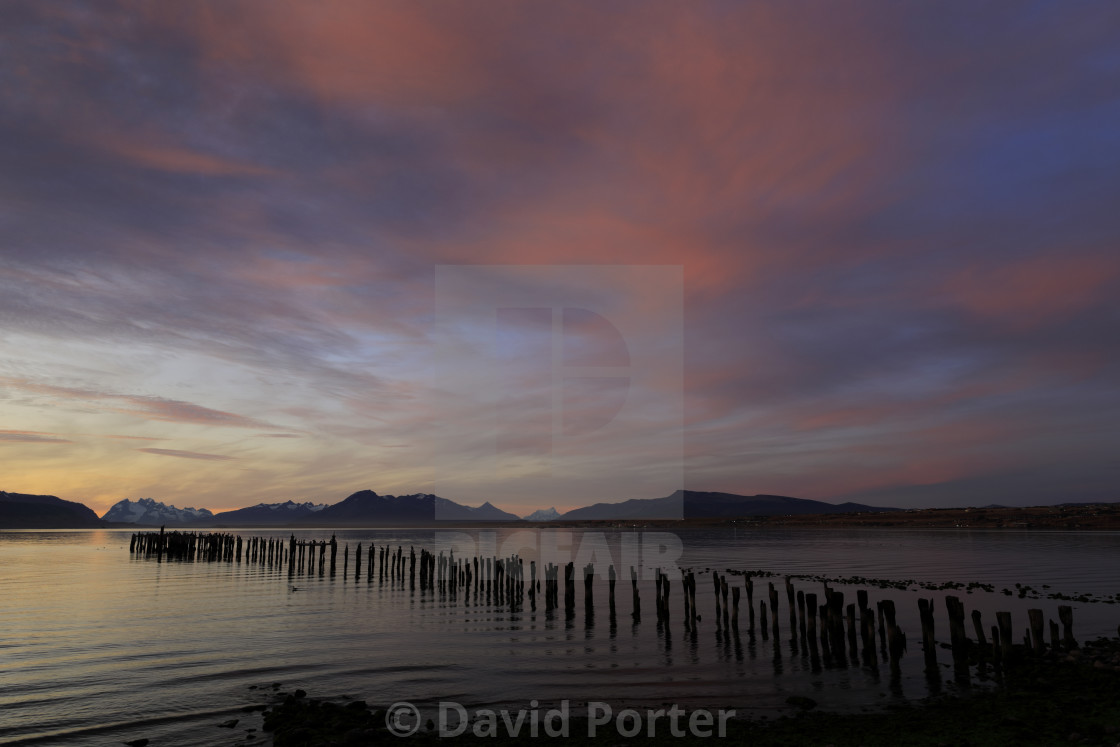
(369, 508)
(693, 504)
(21, 511)
(543, 515)
(155, 513)
(269, 514)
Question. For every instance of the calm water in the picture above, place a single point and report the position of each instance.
(97, 646)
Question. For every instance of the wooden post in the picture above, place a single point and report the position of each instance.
(665, 599)
(850, 614)
(867, 635)
(1037, 628)
(959, 640)
(836, 626)
(750, 605)
(979, 628)
(723, 590)
(880, 606)
(801, 614)
(791, 602)
(896, 645)
(637, 613)
(811, 619)
(610, 582)
(774, 609)
(929, 642)
(1003, 620)
(692, 601)
(1065, 614)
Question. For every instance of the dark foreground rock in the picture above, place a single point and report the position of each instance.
(1055, 701)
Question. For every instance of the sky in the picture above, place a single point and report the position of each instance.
(558, 253)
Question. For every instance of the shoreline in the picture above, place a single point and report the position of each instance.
(1080, 517)
(1060, 698)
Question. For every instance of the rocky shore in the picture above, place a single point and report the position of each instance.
(1062, 698)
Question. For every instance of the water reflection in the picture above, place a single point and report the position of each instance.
(231, 624)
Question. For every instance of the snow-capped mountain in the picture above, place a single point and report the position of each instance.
(151, 511)
(544, 514)
(269, 514)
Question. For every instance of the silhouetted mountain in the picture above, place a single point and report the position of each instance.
(269, 514)
(692, 504)
(367, 507)
(21, 511)
(543, 515)
(155, 513)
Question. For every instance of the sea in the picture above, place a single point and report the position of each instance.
(99, 645)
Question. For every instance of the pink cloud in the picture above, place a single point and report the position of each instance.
(187, 454)
(151, 408)
(32, 437)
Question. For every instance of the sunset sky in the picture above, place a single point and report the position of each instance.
(894, 227)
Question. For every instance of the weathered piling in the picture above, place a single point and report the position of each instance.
(929, 642)
(791, 605)
(750, 605)
(978, 628)
(610, 586)
(850, 619)
(734, 608)
(1065, 614)
(1037, 626)
(588, 586)
(835, 608)
(723, 591)
(637, 613)
(867, 635)
(958, 638)
(773, 594)
(801, 615)
(896, 646)
(661, 589)
(811, 620)
(692, 603)
(1003, 620)
(880, 606)
(569, 589)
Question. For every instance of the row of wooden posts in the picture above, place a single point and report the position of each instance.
(822, 625)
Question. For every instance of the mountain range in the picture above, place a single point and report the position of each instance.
(21, 511)
(367, 508)
(151, 511)
(694, 504)
(268, 514)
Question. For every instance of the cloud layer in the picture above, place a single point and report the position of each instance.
(896, 225)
